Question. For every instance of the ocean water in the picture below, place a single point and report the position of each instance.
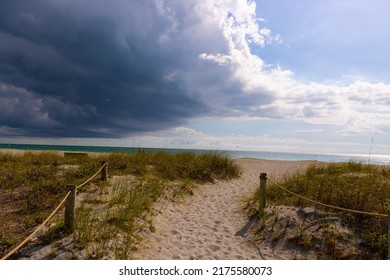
(372, 159)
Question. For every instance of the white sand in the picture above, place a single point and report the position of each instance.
(205, 225)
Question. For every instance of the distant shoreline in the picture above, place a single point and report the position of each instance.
(267, 155)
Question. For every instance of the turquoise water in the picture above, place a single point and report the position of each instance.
(374, 159)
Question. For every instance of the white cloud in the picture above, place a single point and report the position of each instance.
(358, 107)
(176, 60)
(188, 138)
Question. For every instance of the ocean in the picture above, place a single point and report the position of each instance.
(372, 159)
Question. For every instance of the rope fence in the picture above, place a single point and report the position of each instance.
(327, 205)
(262, 204)
(69, 202)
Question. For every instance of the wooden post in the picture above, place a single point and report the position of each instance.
(70, 206)
(388, 235)
(263, 183)
(104, 173)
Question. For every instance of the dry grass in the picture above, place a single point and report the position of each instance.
(33, 183)
(349, 185)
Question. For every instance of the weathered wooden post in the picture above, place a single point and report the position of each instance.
(70, 205)
(263, 183)
(104, 173)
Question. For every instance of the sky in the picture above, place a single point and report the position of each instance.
(265, 75)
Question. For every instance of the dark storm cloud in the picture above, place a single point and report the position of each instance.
(92, 68)
(99, 68)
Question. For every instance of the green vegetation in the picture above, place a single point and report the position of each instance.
(349, 185)
(200, 168)
(33, 183)
(112, 232)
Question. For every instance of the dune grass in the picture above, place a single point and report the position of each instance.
(205, 167)
(110, 231)
(32, 183)
(351, 185)
(113, 233)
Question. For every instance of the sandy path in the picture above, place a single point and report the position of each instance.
(205, 225)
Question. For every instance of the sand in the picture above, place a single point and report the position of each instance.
(211, 224)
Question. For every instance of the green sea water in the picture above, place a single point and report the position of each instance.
(372, 159)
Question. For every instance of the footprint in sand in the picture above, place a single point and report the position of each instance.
(214, 248)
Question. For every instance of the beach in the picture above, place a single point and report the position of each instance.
(209, 223)
(205, 225)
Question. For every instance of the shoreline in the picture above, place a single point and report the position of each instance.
(278, 156)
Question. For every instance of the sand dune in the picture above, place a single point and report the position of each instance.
(205, 225)
(208, 225)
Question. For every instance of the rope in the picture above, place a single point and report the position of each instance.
(37, 229)
(93, 176)
(49, 218)
(327, 205)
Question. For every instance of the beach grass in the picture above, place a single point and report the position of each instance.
(130, 201)
(205, 167)
(110, 231)
(351, 185)
(32, 184)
